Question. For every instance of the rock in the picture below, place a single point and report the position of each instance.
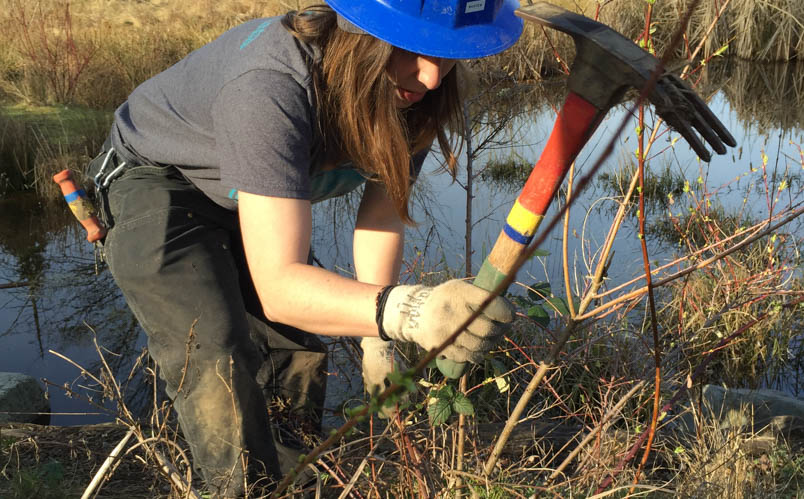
(739, 407)
(755, 410)
(21, 399)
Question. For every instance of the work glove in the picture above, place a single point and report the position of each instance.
(427, 316)
(378, 363)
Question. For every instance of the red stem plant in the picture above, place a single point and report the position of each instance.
(51, 50)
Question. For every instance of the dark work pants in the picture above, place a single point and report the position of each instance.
(179, 261)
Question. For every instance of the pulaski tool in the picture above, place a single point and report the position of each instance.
(606, 65)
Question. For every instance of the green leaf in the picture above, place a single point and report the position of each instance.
(444, 393)
(721, 50)
(404, 379)
(539, 291)
(540, 252)
(540, 315)
(559, 304)
(439, 411)
(463, 405)
(502, 384)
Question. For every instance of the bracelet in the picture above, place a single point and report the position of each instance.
(382, 297)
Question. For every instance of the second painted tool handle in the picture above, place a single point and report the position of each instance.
(80, 205)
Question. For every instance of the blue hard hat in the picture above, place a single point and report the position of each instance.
(453, 29)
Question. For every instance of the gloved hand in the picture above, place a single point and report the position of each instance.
(379, 362)
(427, 316)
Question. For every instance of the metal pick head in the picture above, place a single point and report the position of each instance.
(607, 64)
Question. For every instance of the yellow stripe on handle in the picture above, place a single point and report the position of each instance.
(523, 220)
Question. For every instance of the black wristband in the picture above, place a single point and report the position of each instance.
(382, 297)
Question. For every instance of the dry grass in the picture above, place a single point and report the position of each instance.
(37, 142)
(123, 42)
(755, 30)
(734, 463)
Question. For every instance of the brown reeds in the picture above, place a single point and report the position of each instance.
(754, 30)
(95, 52)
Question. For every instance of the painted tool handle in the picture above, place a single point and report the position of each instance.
(80, 205)
(574, 126)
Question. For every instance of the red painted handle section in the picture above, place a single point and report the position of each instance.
(576, 122)
(80, 205)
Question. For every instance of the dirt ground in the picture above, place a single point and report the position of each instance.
(60, 461)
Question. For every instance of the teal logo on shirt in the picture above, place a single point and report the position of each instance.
(257, 32)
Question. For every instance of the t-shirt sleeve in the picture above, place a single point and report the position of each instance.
(263, 128)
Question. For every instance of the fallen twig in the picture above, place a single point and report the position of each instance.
(101, 474)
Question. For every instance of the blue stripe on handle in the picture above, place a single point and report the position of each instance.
(516, 236)
(74, 196)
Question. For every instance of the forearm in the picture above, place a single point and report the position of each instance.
(378, 256)
(379, 239)
(321, 302)
(276, 237)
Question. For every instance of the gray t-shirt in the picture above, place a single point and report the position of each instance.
(238, 114)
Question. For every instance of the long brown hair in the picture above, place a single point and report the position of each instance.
(357, 113)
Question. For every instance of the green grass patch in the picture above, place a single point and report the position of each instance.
(43, 481)
(57, 124)
(509, 173)
(38, 141)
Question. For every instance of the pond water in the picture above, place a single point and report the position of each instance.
(63, 305)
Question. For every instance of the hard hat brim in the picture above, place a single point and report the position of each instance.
(428, 38)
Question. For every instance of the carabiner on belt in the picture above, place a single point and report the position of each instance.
(102, 182)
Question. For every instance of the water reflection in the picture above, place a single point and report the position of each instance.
(765, 97)
(62, 307)
(66, 300)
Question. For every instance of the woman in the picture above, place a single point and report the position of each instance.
(208, 179)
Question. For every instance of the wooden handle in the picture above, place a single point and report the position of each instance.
(80, 205)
